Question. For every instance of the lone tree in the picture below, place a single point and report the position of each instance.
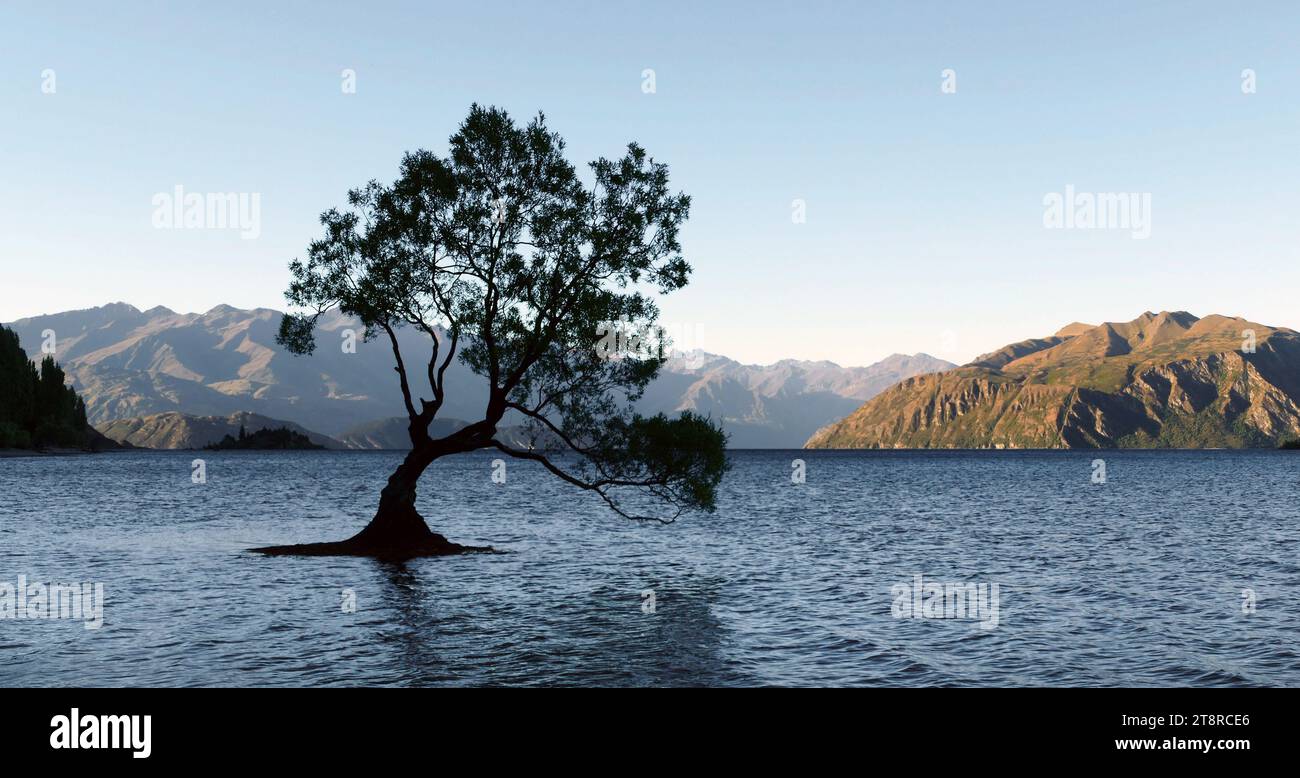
(508, 261)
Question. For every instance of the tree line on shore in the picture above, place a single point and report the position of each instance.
(37, 408)
(280, 438)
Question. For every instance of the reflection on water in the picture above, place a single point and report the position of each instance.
(1136, 581)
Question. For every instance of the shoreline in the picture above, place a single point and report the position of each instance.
(6, 453)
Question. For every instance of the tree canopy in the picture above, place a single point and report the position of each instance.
(510, 262)
(37, 409)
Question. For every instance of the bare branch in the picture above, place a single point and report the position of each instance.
(401, 372)
(599, 487)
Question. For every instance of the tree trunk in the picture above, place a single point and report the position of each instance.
(397, 531)
(397, 524)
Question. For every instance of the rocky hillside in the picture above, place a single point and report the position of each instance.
(129, 363)
(1161, 380)
(180, 430)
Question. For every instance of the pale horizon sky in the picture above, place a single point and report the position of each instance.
(924, 229)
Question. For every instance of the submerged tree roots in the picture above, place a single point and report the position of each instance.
(392, 535)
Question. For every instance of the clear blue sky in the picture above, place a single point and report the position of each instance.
(924, 210)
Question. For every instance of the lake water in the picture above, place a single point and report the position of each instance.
(1146, 579)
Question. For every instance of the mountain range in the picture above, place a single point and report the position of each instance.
(201, 369)
(1170, 379)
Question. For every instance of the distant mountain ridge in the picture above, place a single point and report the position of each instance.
(1161, 380)
(391, 433)
(172, 430)
(130, 364)
(779, 405)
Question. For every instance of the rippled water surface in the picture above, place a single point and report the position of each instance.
(1138, 581)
